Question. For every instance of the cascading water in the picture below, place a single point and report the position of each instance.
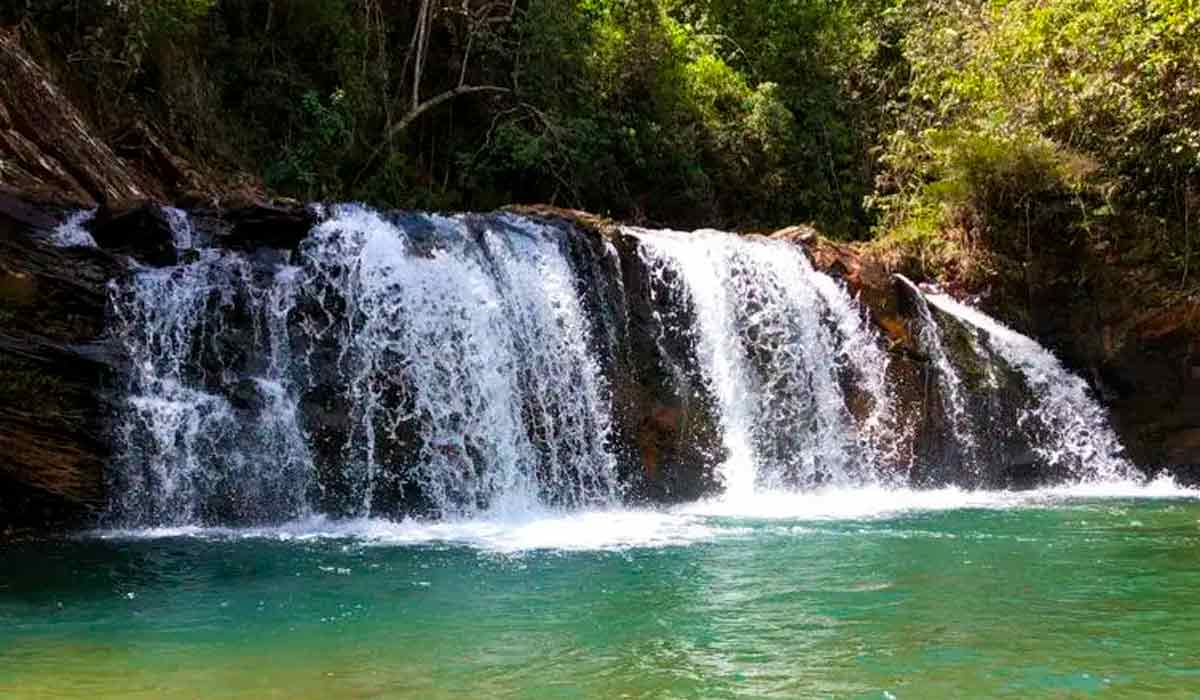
(949, 382)
(466, 365)
(181, 227)
(185, 451)
(71, 233)
(474, 342)
(774, 338)
(1074, 429)
(459, 352)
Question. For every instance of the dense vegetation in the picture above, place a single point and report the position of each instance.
(1028, 123)
(936, 125)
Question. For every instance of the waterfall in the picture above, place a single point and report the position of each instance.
(186, 452)
(181, 227)
(774, 339)
(457, 349)
(456, 366)
(1072, 427)
(949, 382)
(482, 337)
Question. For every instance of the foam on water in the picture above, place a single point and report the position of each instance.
(549, 530)
(880, 502)
(690, 524)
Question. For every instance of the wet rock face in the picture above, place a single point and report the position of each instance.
(60, 369)
(670, 414)
(1141, 358)
(666, 434)
(1154, 392)
(54, 369)
(996, 401)
(262, 225)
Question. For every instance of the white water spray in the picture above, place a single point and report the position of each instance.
(462, 352)
(185, 452)
(772, 337)
(72, 234)
(1076, 425)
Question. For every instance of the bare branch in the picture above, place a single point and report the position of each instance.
(432, 102)
(422, 38)
(413, 114)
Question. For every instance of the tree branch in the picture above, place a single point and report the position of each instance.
(432, 102)
(413, 114)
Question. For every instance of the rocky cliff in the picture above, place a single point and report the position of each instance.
(59, 369)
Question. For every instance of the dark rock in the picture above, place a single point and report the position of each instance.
(55, 365)
(245, 396)
(264, 225)
(660, 393)
(142, 232)
(18, 215)
(667, 437)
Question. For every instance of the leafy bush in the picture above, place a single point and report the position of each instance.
(309, 167)
(1015, 103)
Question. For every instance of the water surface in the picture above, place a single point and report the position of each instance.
(867, 594)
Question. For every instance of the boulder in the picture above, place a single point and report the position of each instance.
(142, 231)
(282, 225)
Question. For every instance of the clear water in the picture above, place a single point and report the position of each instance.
(865, 593)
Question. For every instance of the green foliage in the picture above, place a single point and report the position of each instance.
(310, 165)
(942, 125)
(687, 112)
(1015, 105)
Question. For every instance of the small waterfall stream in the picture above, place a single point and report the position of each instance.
(455, 366)
(949, 382)
(1074, 428)
(776, 342)
(185, 452)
